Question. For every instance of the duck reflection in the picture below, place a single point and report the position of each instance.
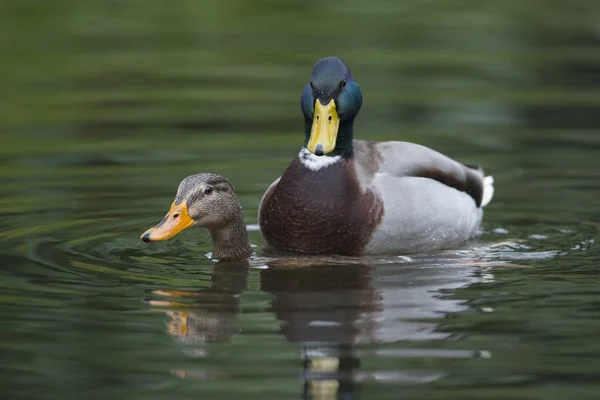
(328, 309)
(207, 315)
(324, 308)
(318, 306)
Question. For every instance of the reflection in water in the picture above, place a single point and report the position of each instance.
(330, 310)
(320, 307)
(411, 300)
(207, 315)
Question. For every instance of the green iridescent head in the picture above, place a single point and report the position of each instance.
(330, 102)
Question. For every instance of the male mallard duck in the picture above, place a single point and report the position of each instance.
(207, 200)
(347, 196)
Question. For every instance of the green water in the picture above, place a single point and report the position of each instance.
(105, 106)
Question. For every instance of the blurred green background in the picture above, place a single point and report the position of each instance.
(106, 105)
(100, 69)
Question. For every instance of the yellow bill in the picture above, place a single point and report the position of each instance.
(176, 220)
(324, 128)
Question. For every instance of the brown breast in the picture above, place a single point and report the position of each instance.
(320, 212)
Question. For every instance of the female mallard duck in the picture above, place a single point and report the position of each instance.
(347, 196)
(207, 200)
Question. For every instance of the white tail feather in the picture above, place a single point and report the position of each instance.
(488, 190)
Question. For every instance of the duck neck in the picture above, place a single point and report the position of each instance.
(231, 242)
(343, 144)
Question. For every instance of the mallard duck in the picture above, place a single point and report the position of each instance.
(347, 196)
(207, 200)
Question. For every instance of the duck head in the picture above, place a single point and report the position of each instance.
(330, 102)
(206, 200)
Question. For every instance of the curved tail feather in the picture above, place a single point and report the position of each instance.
(488, 190)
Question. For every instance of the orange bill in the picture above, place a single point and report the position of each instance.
(176, 220)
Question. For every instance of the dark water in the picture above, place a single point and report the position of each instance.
(105, 106)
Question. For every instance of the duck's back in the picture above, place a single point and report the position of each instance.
(430, 201)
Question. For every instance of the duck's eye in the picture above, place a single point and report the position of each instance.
(344, 83)
(208, 190)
